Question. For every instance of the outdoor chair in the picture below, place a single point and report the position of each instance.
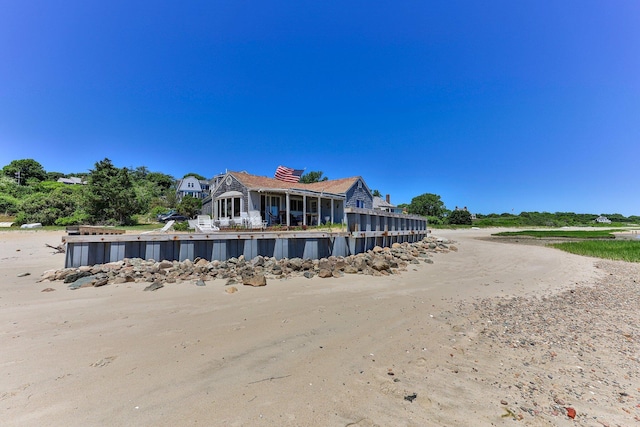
(164, 229)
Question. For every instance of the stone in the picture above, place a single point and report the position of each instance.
(308, 274)
(82, 282)
(349, 269)
(101, 282)
(255, 280)
(231, 290)
(324, 273)
(154, 286)
(380, 265)
(70, 278)
(164, 264)
(201, 282)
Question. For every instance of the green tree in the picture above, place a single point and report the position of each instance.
(313, 176)
(47, 207)
(459, 216)
(110, 194)
(27, 169)
(189, 206)
(376, 193)
(427, 204)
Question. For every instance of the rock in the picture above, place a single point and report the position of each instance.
(324, 273)
(154, 286)
(377, 249)
(231, 290)
(349, 269)
(82, 282)
(308, 274)
(380, 265)
(201, 283)
(101, 282)
(47, 290)
(24, 274)
(70, 278)
(164, 264)
(255, 280)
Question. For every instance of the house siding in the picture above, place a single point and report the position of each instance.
(354, 194)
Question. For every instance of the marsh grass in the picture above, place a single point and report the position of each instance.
(623, 250)
(572, 234)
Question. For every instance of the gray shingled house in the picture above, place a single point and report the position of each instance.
(242, 198)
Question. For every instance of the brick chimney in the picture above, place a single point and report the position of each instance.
(388, 198)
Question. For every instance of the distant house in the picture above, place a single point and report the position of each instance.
(385, 204)
(239, 195)
(73, 180)
(192, 186)
(603, 220)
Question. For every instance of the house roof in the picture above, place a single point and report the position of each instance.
(335, 186)
(380, 203)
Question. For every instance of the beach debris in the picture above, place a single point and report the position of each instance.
(231, 290)
(154, 286)
(24, 274)
(47, 290)
(58, 249)
(411, 397)
(103, 362)
(571, 413)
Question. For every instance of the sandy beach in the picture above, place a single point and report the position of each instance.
(496, 333)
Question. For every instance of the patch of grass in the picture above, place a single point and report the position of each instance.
(623, 250)
(574, 234)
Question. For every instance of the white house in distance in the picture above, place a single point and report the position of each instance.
(72, 180)
(192, 186)
(603, 220)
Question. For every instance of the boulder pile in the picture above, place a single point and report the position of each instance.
(254, 272)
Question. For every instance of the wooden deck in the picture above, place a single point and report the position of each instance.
(91, 230)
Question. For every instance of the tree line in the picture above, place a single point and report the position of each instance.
(120, 196)
(110, 196)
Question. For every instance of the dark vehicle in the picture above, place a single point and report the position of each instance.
(164, 214)
(173, 217)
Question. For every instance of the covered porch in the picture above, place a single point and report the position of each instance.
(297, 208)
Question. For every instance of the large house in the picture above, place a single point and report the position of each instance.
(239, 196)
(192, 186)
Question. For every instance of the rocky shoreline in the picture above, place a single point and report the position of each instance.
(254, 272)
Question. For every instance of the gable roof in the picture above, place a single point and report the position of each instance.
(335, 186)
(380, 203)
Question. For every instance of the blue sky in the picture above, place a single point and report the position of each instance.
(501, 106)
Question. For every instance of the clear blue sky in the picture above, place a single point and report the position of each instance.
(500, 106)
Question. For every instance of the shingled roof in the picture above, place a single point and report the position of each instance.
(335, 186)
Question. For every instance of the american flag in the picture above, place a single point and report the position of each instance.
(286, 174)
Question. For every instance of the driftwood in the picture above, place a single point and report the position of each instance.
(59, 249)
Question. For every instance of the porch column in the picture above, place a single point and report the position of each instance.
(304, 209)
(287, 209)
(319, 210)
(332, 210)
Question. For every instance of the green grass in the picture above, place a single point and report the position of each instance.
(623, 250)
(575, 234)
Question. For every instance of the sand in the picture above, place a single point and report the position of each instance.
(493, 334)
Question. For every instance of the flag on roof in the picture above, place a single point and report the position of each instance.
(286, 174)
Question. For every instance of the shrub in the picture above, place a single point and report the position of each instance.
(462, 217)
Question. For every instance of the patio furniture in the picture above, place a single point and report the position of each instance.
(205, 224)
